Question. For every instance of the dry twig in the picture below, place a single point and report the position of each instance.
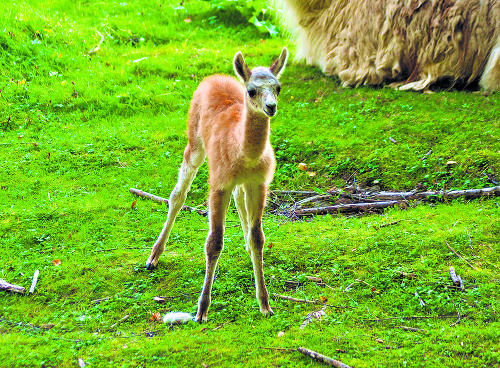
(442, 316)
(312, 316)
(120, 321)
(34, 282)
(98, 47)
(158, 199)
(411, 329)
(284, 297)
(459, 256)
(322, 358)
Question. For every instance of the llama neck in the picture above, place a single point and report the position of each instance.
(256, 129)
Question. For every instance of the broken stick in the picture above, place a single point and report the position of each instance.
(284, 297)
(312, 316)
(35, 280)
(158, 199)
(457, 280)
(322, 358)
(6, 286)
(120, 321)
(98, 47)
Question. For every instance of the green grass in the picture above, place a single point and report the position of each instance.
(77, 131)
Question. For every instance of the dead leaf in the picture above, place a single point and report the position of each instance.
(56, 262)
(311, 173)
(270, 245)
(156, 317)
(134, 203)
(281, 334)
(47, 326)
(159, 299)
(81, 363)
(302, 166)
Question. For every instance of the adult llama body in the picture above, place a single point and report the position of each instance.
(408, 43)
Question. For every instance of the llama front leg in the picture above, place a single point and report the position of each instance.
(255, 198)
(218, 204)
(192, 161)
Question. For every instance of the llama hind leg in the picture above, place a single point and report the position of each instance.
(255, 198)
(193, 158)
(239, 200)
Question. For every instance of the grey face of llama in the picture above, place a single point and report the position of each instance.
(262, 84)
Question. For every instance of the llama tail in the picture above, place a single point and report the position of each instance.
(177, 318)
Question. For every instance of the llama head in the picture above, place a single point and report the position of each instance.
(262, 84)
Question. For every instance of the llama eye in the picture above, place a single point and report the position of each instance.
(252, 92)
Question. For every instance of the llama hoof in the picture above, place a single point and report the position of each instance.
(268, 313)
(150, 266)
(200, 320)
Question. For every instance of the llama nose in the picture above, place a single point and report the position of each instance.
(271, 106)
(271, 109)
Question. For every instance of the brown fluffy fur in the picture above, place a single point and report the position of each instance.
(410, 43)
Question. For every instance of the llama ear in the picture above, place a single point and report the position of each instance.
(279, 65)
(240, 67)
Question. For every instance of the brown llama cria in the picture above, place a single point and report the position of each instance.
(230, 124)
(408, 43)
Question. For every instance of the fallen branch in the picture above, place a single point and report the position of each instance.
(442, 316)
(411, 329)
(294, 193)
(389, 224)
(429, 195)
(279, 349)
(110, 249)
(317, 301)
(322, 358)
(347, 208)
(459, 256)
(158, 199)
(6, 286)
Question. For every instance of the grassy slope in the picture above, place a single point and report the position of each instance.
(78, 131)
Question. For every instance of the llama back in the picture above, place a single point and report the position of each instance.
(217, 105)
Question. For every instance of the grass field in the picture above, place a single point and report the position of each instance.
(82, 121)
